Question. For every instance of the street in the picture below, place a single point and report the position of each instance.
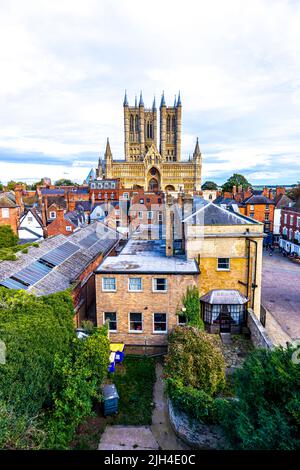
(281, 292)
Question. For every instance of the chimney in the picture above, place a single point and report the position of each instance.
(169, 226)
(60, 213)
(19, 199)
(280, 190)
(265, 191)
(271, 194)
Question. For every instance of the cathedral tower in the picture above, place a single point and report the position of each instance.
(140, 129)
(170, 130)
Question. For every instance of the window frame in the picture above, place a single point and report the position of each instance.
(115, 321)
(135, 290)
(108, 290)
(223, 269)
(129, 323)
(157, 332)
(5, 210)
(178, 322)
(155, 284)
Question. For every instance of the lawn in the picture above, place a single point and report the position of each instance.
(134, 379)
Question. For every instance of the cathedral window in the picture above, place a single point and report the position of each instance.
(168, 124)
(131, 123)
(136, 124)
(173, 123)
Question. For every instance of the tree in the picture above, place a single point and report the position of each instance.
(267, 414)
(64, 182)
(7, 237)
(191, 308)
(235, 180)
(11, 185)
(209, 185)
(1, 186)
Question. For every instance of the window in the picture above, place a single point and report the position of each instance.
(159, 323)
(109, 284)
(291, 219)
(148, 199)
(298, 221)
(111, 318)
(141, 201)
(112, 196)
(181, 319)
(160, 285)
(5, 213)
(285, 218)
(252, 215)
(160, 217)
(117, 212)
(52, 215)
(267, 216)
(150, 214)
(251, 207)
(30, 219)
(126, 195)
(135, 322)
(68, 228)
(140, 214)
(135, 284)
(223, 264)
(267, 207)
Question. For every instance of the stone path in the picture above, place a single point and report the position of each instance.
(159, 435)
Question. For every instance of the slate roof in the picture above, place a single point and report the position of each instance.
(101, 240)
(212, 214)
(7, 201)
(259, 200)
(224, 297)
(47, 191)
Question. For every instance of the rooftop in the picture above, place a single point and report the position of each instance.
(212, 214)
(224, 297)
(147, 257)
(58, 261)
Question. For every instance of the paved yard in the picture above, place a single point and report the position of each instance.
(281, 292)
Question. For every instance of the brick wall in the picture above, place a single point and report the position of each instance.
(146, 302)
(10, 216)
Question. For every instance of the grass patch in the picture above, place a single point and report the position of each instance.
(134, 380)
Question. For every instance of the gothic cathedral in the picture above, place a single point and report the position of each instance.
(146, 167)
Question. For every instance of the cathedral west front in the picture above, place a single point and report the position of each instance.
(145, 166)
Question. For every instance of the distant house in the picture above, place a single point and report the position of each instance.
(62, 224)
(9, 211)
(31, 227)
(290, 229)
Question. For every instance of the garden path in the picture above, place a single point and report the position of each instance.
(159, 435)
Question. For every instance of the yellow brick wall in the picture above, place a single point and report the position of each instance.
(146, 302)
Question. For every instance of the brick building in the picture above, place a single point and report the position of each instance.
(9, 211)
(290, 229)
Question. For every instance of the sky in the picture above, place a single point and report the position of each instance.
(66, 63)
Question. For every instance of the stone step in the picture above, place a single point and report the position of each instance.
(226, 338)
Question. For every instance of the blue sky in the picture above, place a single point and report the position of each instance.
(65, 65)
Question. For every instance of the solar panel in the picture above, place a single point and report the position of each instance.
(89, 240)
(60, 254)
(32, 273)
(12, 284)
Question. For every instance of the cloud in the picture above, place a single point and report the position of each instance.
(65, 66)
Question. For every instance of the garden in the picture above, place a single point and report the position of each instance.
(255, 406)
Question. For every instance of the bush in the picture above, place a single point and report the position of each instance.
(79, 376)
(7, 236)
(195, 360)
(267, 415)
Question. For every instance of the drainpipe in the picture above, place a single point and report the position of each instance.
(253, 284)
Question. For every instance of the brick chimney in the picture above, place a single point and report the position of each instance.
(280, 190)
(265, 192)
(19, 197)
(169, 226)
(271, 194)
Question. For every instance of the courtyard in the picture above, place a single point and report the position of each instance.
(281, 292)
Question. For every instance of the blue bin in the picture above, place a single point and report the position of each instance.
(112, 362)
(119, 356)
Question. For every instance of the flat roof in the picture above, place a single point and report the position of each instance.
(147, 257)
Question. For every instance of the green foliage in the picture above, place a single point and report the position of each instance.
(209, 185)
(1, 186)
(235, 180)
(64, 182)
(194, 358)
(267, 415)
(11, 185)
(88, 326)
(32, 331)
(134, 380)
(7, 236)
(191, 304)
(8, 253)
(79, 376)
